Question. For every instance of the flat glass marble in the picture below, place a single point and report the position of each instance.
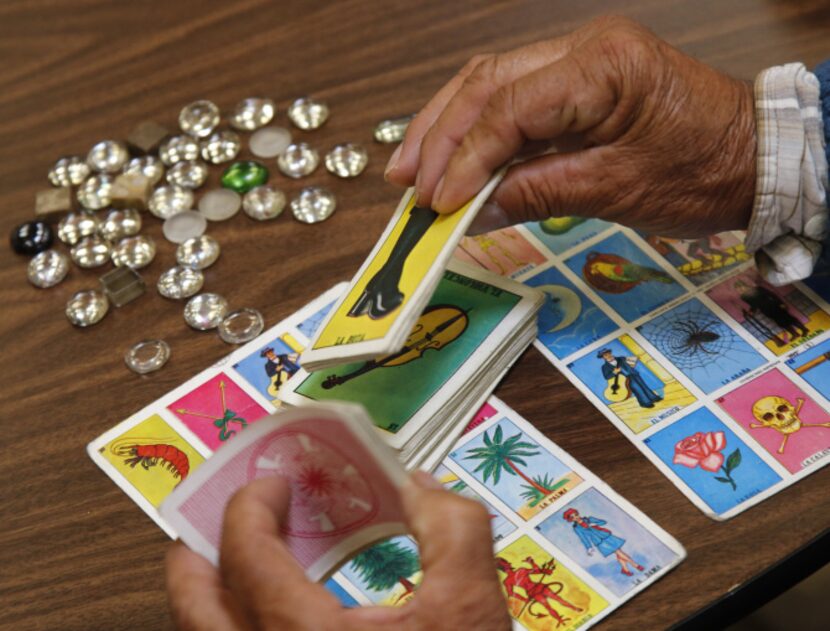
(90, 252)
(243, 176)
(87, 307)
(47, 269)
(221, 146)
(168, 200)
(263, 203)
(205, 311)
(95, 191)
(198, 252)
(120, 223)
(307, 113)
(69, 171)
(241, 326)
(136, 252)
(75, 226)
(178, 148)
(392, 130)
(252, 113)
(188, 173)
(269, 142)
(183, 226)
(180, 282)
(220, 204)
(199, 118)
(347, 160)
(298, 160)
(108, 156)
(313, 204)
(147, 356)
(149, 166)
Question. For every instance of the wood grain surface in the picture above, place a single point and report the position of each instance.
(75, 552)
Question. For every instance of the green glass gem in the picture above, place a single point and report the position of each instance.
(243, 176)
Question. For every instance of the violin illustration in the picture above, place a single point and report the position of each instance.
(438, 326)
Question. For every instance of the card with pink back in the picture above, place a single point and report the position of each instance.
(344, 486)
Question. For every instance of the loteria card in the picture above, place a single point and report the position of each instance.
(393, 285)
(704, 259)
(469, 311)
(344, 485)
(504, 252)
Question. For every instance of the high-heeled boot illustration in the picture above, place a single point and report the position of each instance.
(381, 295)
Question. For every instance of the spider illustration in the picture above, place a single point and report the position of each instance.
(693, 337)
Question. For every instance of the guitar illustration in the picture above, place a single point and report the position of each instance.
(438, 326)
(616, 391)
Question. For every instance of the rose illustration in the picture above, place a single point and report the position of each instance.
(704, 450)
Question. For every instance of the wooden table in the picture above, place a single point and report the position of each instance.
(75, 552)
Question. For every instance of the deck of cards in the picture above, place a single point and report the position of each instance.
(474, 326)
(344, 485)
(393, 286)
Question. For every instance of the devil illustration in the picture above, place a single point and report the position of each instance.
(537, 591)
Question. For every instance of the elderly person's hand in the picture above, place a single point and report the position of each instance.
(260, 586)
(648, 136)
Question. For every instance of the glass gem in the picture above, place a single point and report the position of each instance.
(222, 146)
(183, 226)
(75, 226)
(392, 130)
(205, 311)
(298, 160)
(122, 285)
(263, 202)
(180, 282)
(313, 204)
(307, 114)
(178, 148)
(149, 166)
(198, 252)
(243, 176)
(108, 156)
(241, 326)
(120, 223)
(90, 252)
(147, 356)
(199, 118)
(69, 171)
(168, 200)
(136, 252)
(347, 160)
(87, 307)
(220, 204)
(252, 113)
(188, 173)
(32, 237)
(269, 142)
(94, 192)
(48, 268)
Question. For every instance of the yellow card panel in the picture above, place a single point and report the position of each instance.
(343, 329)
(152, 457)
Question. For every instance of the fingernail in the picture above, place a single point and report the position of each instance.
(490, 217)
(436, 196)
(424, 480)
(393, 161)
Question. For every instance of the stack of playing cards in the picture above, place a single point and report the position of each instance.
(390, 291)
(474, 327)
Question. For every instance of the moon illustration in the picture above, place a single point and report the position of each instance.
(565, 302)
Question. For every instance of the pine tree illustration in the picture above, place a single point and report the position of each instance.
(385, 564)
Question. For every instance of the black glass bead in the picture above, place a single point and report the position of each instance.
(32, 237)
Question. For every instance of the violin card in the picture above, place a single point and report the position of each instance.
(468, 315)
(565, 564)
(344, 486)
(394, 284)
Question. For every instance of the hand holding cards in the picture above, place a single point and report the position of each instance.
(344, 485)
(391, 289)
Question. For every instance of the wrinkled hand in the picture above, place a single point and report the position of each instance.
(259, 585)
(648, 136)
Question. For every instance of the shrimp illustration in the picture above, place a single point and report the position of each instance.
(148, 453)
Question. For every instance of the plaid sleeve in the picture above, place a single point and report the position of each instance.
(790, 216)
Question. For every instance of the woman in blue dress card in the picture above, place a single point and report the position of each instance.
(593, 536)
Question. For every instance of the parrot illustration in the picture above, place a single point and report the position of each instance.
(615, 274)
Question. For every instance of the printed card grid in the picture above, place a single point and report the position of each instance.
(645, 331)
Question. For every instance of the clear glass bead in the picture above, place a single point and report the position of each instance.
(94, 192)
(136, 252)
(108, 156)
(180, 282)
(263, 202)
(205, 311)
(178, 148)
(188, 173)
(168, 200)
(313, 204)
(120, 223)
(347, 160)
(147, 356)
(307, 113)
(87, 307)
(48, 268)
(252, 113)
(91, 252)
(199, 118)
(150, 167)
(199, 252)
(298, 160)
(241, 326)
(392, 130)
(69, 171)
(221, 146)
(75, 226)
